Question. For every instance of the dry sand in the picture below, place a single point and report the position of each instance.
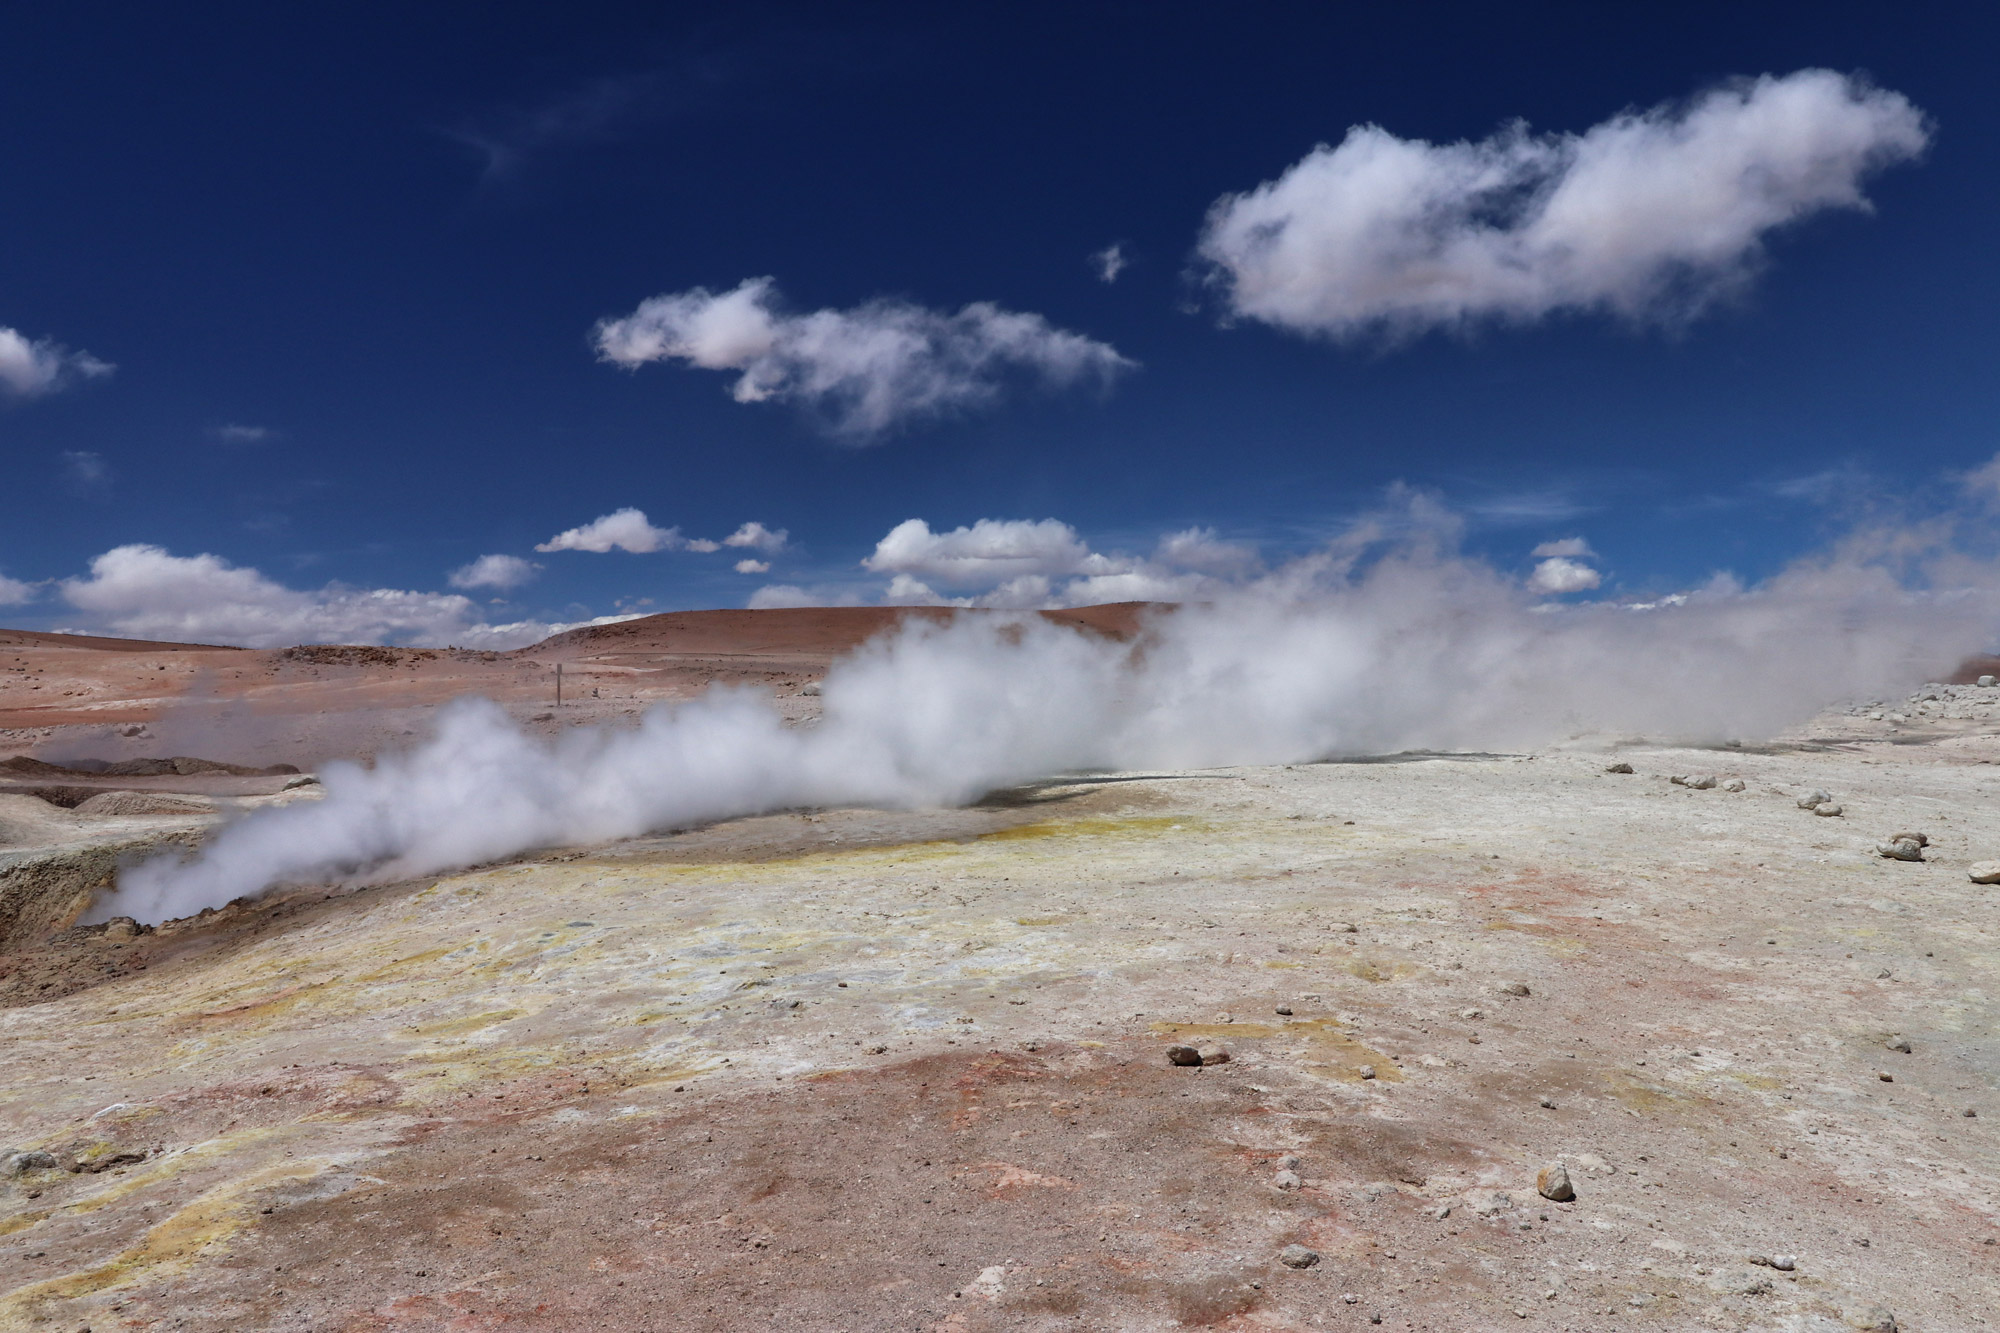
(867, 1070)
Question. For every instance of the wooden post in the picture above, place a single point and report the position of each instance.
(559, 685)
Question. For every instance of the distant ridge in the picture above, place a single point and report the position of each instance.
(807, 630)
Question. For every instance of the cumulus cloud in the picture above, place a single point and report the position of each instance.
(866, 369)
(495, 571)
(621, 530)
(990, 551)
(758, 538)
(147, 592)
(1559, 574)
(1109, 262)
(753, 566)
(32, 369)
(1573, 547)
(13, 592)
(1201, 551)
(1648, 215)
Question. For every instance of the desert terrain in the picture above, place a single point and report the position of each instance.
(859, 1069)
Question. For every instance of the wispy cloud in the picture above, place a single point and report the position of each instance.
(13, 592)
(865, 370)
(1109, 262)
(1649, 215)
(234, 433)
(85, 472)
(34, 369)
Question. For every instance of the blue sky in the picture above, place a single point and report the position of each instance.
(320, 295)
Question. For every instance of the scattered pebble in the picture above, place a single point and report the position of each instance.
(1902, 847)
(1552, 1182)
(1285, 1010)
(1886, 1076)
(1618, 768)
(1784, 1263)
(1289, 1162)
(1286, 1180)
(1515, 988)
(1367, 1071)
(1828, 810)
(1812, 800)
(1472, 1013)
(1898, 1044)
(1548, 1103)
(1735, 784)
(1298, 1256)
(878, 1050)
(1984, 872)
(1699, 782)
(1183, 1055)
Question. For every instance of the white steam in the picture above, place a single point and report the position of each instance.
(1333, 655)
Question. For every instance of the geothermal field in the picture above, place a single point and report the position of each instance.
(1613, 1032)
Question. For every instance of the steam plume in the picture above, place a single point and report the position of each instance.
(1343, 653)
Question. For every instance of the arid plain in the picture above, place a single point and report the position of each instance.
(858, 1069)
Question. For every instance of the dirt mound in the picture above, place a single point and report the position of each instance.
(130, 803)
(806, 631)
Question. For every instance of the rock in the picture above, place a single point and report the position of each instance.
(1286, 1180)
(1183, 1055)
(1741, 1282)
(1970, 1113)
(1988, 681)
(1552, 1182)
(1984, 872)
(1706, 782)
(1289, 1162)
(1366, 1071)
(1922, 840)
(1813, 799)
(1898, 849)
(121, 928)
(1735, 784)
(33, 1160)
(1471, 1013)
(1284, 1010)
(1618, 768)
(1298, 1256)
(1515, 988)
(302, 780)
(1828, 810)
(811, 690)
(1548, 1103)
(1784, 1263)
(1870, 1319)
(1213, 1055)
(1898, 1044)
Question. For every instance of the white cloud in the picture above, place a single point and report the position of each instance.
(1203, 552)
(31, 369)
(85, 471)
(990, 551)
(1558, 574)
(623, 530)
(13, 592)
(495, 571)
(1109, 262)
(1567, 546)
(233, 433)
(1648, 215)
(758, 537)
(867, 369)
(753, 566)
(149, 593)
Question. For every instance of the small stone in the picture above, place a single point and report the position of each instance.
(1286, 1180)
(1548, 1103)
(811, 690)
(1552, 1182)
(1183, 1055)
(1471, 1013)
(1289, 1162)
(1983, 872)
(1618, 768)
(1298, 1256)
(1899, 849)
(1870, 1319)
(1735, 784)
(1969, 1113)
(34, 1160)
(302, 780)
(1705, 782)
(1515, 988)
(1922, 840)
(1284, 1010)
(121, 928)
(878, 1050)
(1213, 1055)
(1366, 1071)
(1886, 1076)
(1828, 810)
(1784, 1263)
(1441, 1212)
(1812, 800)
(1898, 1044)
